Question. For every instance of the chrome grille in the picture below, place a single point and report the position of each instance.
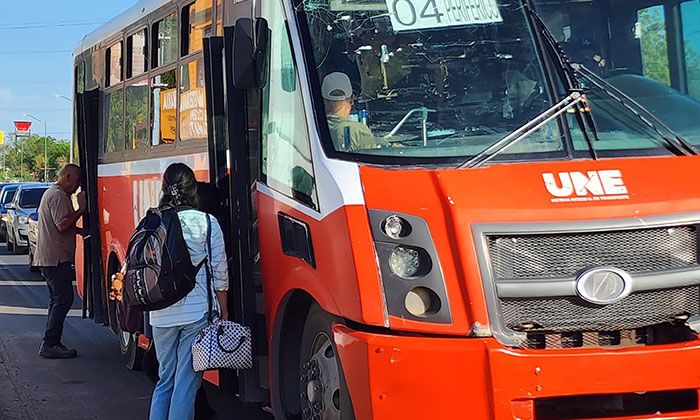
(565, 255)
(572, 314)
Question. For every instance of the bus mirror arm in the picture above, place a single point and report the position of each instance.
(250, 53)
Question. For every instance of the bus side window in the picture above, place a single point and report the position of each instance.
(651, 31)
(690, 12)
(164, 41)
(113, 58)
(114, 101)
(193, 108)
(286, 154)
(197, 21)
(136, 53)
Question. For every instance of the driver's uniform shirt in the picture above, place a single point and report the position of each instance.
(348, 135)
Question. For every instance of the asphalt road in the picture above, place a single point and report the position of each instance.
(95, 385)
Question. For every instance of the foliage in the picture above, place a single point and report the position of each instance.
(654, 47)
(655, 51)
(24, 158)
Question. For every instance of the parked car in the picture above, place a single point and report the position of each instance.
(7, 194)
(26, 202)
(32, 231)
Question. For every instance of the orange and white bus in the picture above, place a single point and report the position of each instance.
(520, 240)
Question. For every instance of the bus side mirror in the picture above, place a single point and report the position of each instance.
(250, 52)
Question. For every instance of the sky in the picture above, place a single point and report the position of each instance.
(37, 39)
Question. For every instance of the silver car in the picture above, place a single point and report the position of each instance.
(26, 202)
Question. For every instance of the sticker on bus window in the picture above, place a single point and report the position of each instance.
(411, 15)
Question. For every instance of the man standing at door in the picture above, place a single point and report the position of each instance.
(55, 253)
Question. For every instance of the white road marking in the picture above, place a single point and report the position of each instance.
(24, 283)
(22, 310)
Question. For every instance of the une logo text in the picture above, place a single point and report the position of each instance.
(589, 186)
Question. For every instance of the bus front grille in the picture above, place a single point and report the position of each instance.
(562, 255)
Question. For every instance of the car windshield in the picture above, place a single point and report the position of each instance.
(430, 78)
(639, 49)
(30, 198)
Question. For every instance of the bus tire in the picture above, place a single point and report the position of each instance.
(131, 353)
(323, 391)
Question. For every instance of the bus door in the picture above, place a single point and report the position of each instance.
(94, 303)
(234, 167)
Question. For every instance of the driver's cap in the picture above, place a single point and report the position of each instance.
(336, 87)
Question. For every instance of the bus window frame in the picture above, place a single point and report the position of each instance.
(107, 62)
(153, 48)
(129, 153)
(164, 149)
(130, 48)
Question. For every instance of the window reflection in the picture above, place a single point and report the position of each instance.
(136, 115)
(166, 40)
(163, 108)
(138, 53)
(199, 15)
(115, 121)
(193, 109)
(114, 57)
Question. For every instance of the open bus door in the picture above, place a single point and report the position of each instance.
(94, 297)
(233, 163)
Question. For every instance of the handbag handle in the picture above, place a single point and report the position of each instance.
(220, 332)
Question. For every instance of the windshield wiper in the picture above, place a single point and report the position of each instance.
(533, 125)
(568, 78)
(570, 72)
(682, 145)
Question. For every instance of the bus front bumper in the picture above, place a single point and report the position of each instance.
(396, 377)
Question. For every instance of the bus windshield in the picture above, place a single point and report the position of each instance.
(648, 50)
(441, 79)
(424, 84)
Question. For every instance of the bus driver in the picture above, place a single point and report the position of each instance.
(347, 135)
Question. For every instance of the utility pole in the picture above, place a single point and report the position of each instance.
(46, 154)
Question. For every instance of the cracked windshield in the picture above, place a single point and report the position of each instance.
(444, 78)
(428, 78)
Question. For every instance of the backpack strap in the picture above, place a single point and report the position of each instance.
(207, 260)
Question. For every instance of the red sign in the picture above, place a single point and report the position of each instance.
(23, 126)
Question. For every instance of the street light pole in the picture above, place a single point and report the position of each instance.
(72, 145)
(46, 155)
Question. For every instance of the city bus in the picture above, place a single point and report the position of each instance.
(516, 235)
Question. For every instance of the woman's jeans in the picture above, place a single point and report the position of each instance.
(173, 398)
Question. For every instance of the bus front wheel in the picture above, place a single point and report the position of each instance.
(322, 388)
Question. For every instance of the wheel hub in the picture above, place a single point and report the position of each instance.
(321, 379)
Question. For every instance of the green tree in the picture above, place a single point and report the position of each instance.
(654, 46)
(24, 158)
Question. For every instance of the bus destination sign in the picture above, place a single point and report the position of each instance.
(411, 15)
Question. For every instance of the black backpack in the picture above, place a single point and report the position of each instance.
(159, 270)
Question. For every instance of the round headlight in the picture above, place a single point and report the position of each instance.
(22, 220)
(421, 302)
(394, 227)
(404, 261)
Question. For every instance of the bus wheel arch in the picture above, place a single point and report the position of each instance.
(298, 324)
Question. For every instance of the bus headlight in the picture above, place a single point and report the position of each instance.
(404, 261)
(414, 287)
(22, 220)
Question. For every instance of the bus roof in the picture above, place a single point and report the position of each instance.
(119, 23)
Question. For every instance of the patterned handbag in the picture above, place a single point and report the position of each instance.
(222, 344)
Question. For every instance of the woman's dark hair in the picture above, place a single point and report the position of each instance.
(179, 187)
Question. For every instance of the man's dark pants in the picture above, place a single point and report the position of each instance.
(60, 282)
